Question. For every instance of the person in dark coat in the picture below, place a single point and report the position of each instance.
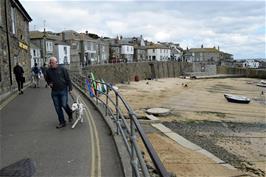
(18, 71)
(58, 79)
(44, 69)
(36, 74)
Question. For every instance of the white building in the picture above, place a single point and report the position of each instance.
(157, 52)
(251, 64)
(62, 52)
(127, 52)
(35, 54)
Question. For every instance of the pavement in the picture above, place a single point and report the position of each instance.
(28, 131)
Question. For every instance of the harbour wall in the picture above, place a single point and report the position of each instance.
(126, 72)
(247, 72)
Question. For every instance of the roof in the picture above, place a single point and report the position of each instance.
(21, 9)
(61, 43)
(211, 50)
(47, 35)
(157, 46)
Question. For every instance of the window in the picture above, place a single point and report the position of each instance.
(49, 46)
(13, 19)
(34, 52)
(153, 50)
(65, 50)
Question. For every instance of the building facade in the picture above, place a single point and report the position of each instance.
(35, 53)
(14, 44)
(207, 56)
(46, 42)
(62, 53)
(158, 52)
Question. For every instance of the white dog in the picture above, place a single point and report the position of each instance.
(78, 108)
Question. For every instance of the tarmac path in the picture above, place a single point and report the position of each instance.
(28, 131)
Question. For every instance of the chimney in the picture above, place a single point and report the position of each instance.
(202, 46)
(63, 36)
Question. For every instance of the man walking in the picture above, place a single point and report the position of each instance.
(57, 78)
(44, 69)
(18, 71)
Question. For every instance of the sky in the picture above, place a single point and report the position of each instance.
(237, 27)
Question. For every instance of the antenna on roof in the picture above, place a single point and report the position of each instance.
(44, 23)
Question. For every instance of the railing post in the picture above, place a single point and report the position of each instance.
(106, 103)
(134, 162)
(117, 113)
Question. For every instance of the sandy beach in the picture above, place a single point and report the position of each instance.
(203, 100)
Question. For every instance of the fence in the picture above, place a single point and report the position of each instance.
(110, 99)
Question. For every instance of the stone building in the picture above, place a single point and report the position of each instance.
(14, 44)
(45, 41)
(104, 51)
(158, 52)
(207, 55)
(140, 54)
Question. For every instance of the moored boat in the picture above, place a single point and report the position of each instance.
(263, 82)
(261, 85)
(236, 98)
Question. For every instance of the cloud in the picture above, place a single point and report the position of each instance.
(238, 27)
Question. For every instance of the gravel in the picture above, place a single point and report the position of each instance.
(207, 133)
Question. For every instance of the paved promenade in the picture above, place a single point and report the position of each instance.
(28, 131)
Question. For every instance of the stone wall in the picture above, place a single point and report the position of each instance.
(18, 45)
(252, 73)
(125, 72)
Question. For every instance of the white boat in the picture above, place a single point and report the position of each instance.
(263, 81)
(261, 85)
(236, 98)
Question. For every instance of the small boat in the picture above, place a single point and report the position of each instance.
(261, 85)
(236, 98)
(263, 81)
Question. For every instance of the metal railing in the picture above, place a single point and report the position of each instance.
(113, 102)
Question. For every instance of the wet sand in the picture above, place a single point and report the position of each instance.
(198, 100)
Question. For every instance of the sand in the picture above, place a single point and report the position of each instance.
(191, 100)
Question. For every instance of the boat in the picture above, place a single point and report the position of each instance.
(261, 85)
(263, 81)
(236, 98)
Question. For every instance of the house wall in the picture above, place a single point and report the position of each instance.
(160, 54)
(36, 57)
(63, 56)
(16, 50)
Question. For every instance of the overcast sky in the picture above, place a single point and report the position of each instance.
(238, 27)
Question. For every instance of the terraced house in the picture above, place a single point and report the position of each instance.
(14, 43)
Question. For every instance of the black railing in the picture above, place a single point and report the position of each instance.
(111, 100)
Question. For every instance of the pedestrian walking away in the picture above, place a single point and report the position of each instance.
(36, 75)
(44, 69)
(18, 71)
(58, 79)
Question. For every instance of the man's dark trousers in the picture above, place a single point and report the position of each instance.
(20, 84)
(60, 99)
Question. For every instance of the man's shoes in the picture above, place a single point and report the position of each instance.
(21, 92)
(60, 126)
